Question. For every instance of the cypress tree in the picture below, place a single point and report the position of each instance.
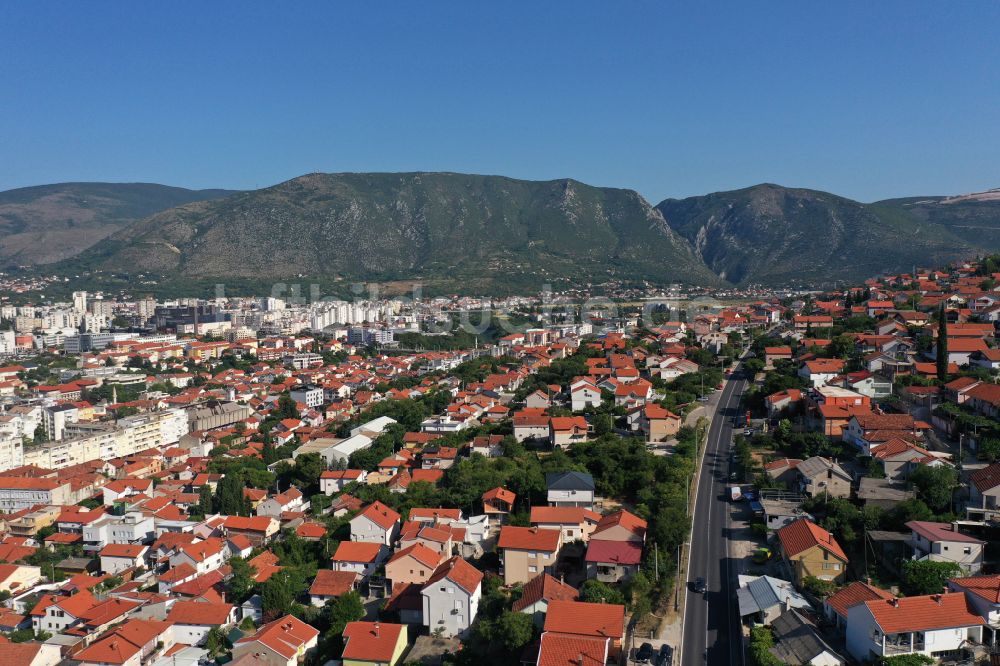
(942, 346)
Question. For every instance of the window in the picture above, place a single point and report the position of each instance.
(532, 569)
(967, 550)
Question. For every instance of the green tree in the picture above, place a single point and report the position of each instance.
(926, 577)
(267, 452)
(229, 498)
(40, 435)
(818, 587)
(514, 630)
(596, 592)
(935, 486)
(205, 499)
(241, 582)
(348, 607)
(276, 596)
(286, 408)
(761, 642)
(215, 642)
(942, 346)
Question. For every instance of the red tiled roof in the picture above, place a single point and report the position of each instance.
(803, 534)
(380, 514)
(199, 612)
(419, 552)
(122, 550)
(459, 572)
(371, 641)
(528, 538)
(986, 478)
(616, 552)
(330, 583)
(563, 515)
(545, 587)
(356, 551)
(924, 613)
(567, 650)
(936, 532)
(586, 619)
(855, 593)
(285, 636)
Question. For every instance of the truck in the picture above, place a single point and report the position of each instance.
(735, 493)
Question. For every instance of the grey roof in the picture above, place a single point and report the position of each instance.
(569, 481)
(816, 466)
(797, 641)
(759, 593)
(882, 489)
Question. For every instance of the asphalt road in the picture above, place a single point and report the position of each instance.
(711, 624)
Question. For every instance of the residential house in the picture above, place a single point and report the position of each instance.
(334, 481)
(376, 523)
(527, 552)
(290, 500)
(282, 642)
(498, 502)
(931, 625)
(119, 557)
(809, 550)
(570, 489)
(763, 598)
(575, 620)
(538, 592)
(330, 584)
(380, 643)
(258, 530)
(576, 523)
(359, 557)
(451, 597)
(818, 475)
(193, 620)
(413, 564)
(797, 641)
(835, 606)
(984, 492)
(531, 424)
(584, 394)
(564, 431)
(130, 644)
(942, 542)
(658, 423)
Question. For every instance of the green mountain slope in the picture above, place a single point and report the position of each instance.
(475, 232)
(769, 234)
(47, 223)
(974, 218)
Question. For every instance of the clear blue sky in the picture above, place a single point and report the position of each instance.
(865, 99)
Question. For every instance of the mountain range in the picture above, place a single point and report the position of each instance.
(479, 233)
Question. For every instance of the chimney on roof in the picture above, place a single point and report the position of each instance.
(936, 598)
(376, 629)
(895, 602)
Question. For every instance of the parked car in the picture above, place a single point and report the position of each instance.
(699, 585)
(665, 657)
(645, 653)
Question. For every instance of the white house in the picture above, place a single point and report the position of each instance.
(117, 557)
(376, 523)
(451, 597)
(929, 624)
(583, 394)
(193, 620)
(333, 481)
(942, 542)
(570, 489)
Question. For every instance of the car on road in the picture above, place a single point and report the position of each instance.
(699, 585)
(645, 653)
(665, 657)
